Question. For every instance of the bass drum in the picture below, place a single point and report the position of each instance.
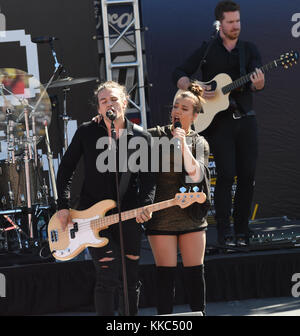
(13, 192)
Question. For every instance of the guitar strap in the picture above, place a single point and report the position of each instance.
(241, 48)
(203, 60)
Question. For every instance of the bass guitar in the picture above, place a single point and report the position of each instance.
(87, 224)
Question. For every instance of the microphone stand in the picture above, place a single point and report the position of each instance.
(125, 289)
(212, 39)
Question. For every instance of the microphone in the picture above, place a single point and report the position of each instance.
(111, 115)
(177, 124)
(216, 24)
(43, 39)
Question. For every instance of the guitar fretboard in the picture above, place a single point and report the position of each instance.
(126, 215)
(245, 79)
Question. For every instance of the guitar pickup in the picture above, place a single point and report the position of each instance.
(74, 230)
(54, 236)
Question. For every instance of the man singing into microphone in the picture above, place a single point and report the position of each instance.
(111, 99)
(232, 135)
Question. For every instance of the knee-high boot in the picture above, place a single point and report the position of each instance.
(165, 289)
(195, 283)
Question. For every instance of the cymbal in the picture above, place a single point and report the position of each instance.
(68, 81)
(15, 75)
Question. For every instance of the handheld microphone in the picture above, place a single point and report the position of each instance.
(111, 115)
(43, 39)
(177, 124)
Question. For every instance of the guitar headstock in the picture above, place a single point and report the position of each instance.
(288, 59)
(186, 199)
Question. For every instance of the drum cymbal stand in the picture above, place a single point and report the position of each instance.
(50, 162)
(66, 119)
(34, 142)
(10, 152)
(27, 158)
(28, 189)
(28, 139)
(10, 136)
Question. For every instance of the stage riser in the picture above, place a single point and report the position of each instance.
(61, 287)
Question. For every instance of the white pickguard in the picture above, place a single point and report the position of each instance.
(84, 236)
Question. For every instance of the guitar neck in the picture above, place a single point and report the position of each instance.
(126, 215)
(245, 79)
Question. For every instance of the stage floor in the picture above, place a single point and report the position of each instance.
(281, 306)
(39, 287)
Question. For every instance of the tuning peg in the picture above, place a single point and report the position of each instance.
(182, 189)
(196, 189)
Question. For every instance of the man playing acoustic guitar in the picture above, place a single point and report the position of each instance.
(232, 134)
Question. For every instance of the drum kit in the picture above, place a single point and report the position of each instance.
(27, 193)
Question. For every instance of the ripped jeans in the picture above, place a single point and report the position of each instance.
(109, 275)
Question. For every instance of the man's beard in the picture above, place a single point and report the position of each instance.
(232, 35)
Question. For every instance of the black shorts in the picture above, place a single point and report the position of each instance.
(149, 232)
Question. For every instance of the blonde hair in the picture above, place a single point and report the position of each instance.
(194, 91)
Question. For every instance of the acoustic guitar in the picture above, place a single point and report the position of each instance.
(222, 84)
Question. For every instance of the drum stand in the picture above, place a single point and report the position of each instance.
(28, 151)
(28, 191)
(65, 119)
(50, 162)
